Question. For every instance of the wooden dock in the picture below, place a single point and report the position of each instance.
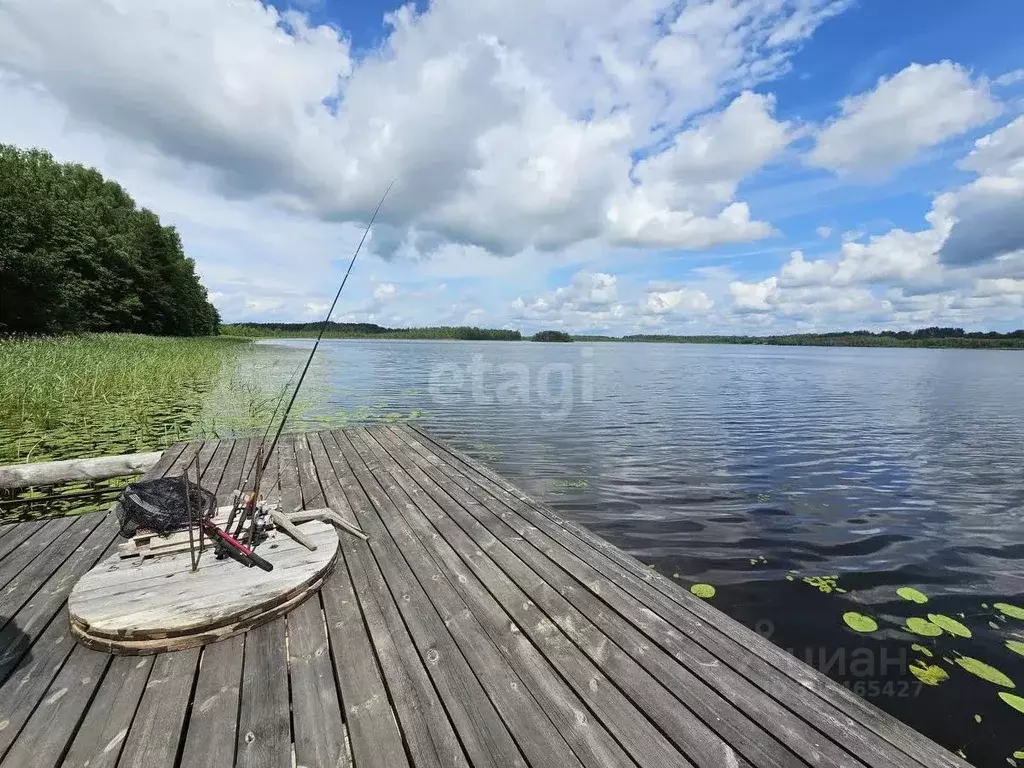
(475, 628)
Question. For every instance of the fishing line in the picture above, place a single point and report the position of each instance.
(323, 327)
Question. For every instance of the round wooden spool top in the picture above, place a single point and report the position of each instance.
(139, 606)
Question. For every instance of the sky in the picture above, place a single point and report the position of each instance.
(599, 166)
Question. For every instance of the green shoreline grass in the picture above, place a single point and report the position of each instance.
(115, 392)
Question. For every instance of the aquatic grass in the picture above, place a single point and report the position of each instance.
(73, 396)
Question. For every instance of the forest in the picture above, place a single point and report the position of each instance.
(78, 256)
(551, 336)
(369, 331)
(923, 337)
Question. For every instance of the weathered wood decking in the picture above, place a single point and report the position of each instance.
(475, 628)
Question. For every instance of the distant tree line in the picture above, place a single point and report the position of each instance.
(370, 331)
(923, 337)
(551, 336)
(77, 255)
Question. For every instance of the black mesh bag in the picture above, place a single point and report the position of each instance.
(161, 505)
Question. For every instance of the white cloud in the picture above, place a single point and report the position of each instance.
(755, 297)
(570, 136)
(1010, 78)
(681, 301)
(966, 267)
(797, 272)
(385, 292)
(504, 125)
(1001, 286)
(592, 296)
(919, 107)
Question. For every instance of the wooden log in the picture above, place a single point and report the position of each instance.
(18, 476)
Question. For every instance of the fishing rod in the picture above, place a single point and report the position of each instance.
(320, 335)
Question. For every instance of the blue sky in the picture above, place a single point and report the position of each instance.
(736, 166)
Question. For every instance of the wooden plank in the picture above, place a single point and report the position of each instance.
(100, 738)
(319, 732)
(249, 465)
(372, 728)
(856, 724)
(231, 479)
(37, 670)
(270, 488)
(509, 694)
(26, 582)
(592, 743)
(46, 735)
(19, 633)
(29, 681)
(155, 733)
(558, 598)
(482, 731)
(21, 533)
(426, 728)
(18, 476)
(214, 471)
(714, 691)
(264, 730)
(15, 563)
(288, 475)
(312, 493)
(212, 728)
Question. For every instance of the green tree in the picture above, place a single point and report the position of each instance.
(76, 255)
(551, 336)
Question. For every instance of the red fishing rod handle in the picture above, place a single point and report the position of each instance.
(236, 547)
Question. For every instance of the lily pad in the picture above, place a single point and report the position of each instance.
(985, 671)
(1016, 646)
(952, 626)
(911, 594)
(1013, 611)
(859, 622)
(929, 674)
(921, 649)
(703, 590)
(924, 627)
(1014, 701)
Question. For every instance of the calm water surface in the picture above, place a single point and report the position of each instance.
(740, 466)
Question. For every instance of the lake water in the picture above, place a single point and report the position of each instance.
(802, 483)
(739, 466)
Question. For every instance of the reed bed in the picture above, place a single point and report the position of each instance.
(98, 394)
